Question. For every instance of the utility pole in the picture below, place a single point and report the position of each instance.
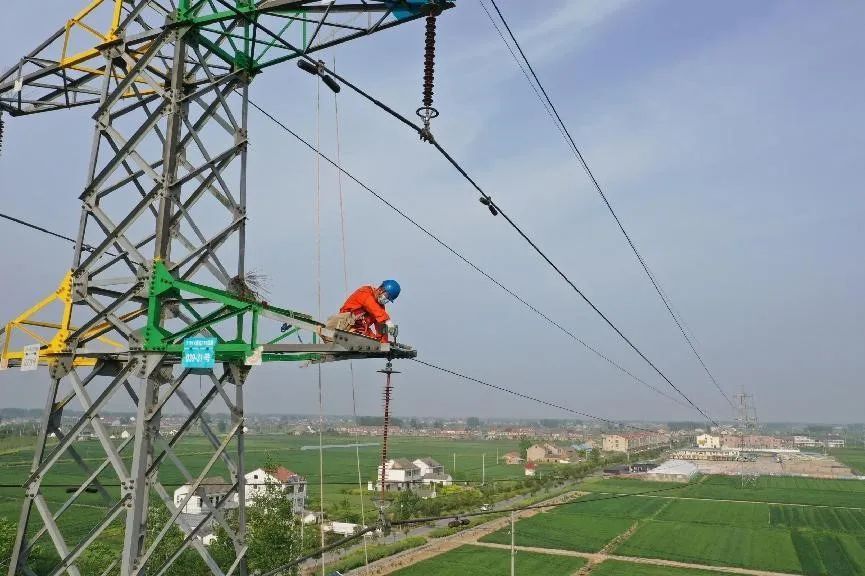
(513, 551)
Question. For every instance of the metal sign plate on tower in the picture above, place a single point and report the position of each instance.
(199, 352)
(30, 361)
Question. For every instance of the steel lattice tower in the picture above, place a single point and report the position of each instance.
(746, 424)
(159, 257)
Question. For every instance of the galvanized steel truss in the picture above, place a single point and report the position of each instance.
(160, 249)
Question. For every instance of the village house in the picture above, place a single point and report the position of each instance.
(512, 458)
(211, 491)
(402, 473)
(291, 483)
(550, 454)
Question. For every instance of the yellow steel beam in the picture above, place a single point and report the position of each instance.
(58, 343)
(67, 61)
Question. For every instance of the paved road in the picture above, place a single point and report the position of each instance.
(423, 530)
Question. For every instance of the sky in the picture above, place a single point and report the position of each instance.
(728, 136)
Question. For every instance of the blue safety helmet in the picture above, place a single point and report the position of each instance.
(391, 289)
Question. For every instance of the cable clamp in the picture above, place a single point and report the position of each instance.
(488, 202)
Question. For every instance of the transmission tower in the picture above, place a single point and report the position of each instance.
(746, 425)
(160, 259)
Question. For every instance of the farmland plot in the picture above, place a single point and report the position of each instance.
(760, 548)
(480, 561)
(784, 490)
(830, 519)
(564, 530)
(723, 513)
(827, 554)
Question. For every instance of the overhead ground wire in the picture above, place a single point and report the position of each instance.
(486, 199)
(563, 129)
(462, 257)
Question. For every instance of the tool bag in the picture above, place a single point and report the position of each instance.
(342, 321)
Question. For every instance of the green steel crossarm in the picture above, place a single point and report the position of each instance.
(198, 316)
(283, 336)
(206, 322)
(212, 46)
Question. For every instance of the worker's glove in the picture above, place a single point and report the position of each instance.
(391, 328)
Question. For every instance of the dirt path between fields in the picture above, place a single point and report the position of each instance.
(598, 558)
(437, 546)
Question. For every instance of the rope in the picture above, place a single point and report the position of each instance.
(345, 283)
(318, 297)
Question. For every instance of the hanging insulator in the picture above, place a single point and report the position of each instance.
(2, 125)
(429, 60)
(427, 112)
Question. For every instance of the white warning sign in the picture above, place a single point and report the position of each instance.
(30, 361)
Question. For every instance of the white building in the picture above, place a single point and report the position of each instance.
(806, 442)
(673, 471)
(711, 454)
(835, 443)
(211, 490)
(428, 466)
(708, 441)
(258, 481)
(124, 435)
(400, 473)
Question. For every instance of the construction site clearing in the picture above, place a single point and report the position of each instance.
(808, 465)
(793, 464)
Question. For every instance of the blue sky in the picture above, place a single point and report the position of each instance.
(728, 136)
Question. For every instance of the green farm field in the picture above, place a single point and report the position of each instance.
(481, 561)
(685, 523)
(298, 453)
(779, 489)
(852, 457)
(568, 528)
(759, 548)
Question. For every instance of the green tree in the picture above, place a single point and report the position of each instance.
(525, 444)
(189, 563)
(406, 505)
(273, 532)
(7, 541)
(97, 558)
(473, 422)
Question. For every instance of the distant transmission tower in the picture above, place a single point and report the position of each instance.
(746, 425)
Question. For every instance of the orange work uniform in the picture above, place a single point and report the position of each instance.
(367, 311)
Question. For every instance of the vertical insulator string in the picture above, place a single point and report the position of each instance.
(429, 60)
(427, 112)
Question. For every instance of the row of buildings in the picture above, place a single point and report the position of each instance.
(763, 442)
(635, 442)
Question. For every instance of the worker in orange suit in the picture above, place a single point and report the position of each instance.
(364, 312)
